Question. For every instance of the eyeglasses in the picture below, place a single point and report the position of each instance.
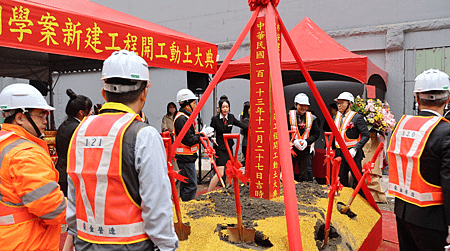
(43, 117)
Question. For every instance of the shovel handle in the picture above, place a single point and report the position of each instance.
(206, 145)
(226, 137)
(167, 144)
(377, 152)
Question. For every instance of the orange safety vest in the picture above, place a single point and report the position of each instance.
(406, 146)
(184, 149)
(106, 213)
(343, 129)
(308, 122)
(12, 213)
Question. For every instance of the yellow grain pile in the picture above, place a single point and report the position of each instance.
(352, 232)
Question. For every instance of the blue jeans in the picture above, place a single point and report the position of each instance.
(188, 190)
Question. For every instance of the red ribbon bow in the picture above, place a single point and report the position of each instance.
(174, 174)
(350, 125)
(329, 158)
(255, 3)
(233, 171)
(210, 152)
(302, 125)
(335, 188)
(367, 167)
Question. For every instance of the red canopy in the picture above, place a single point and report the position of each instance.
(88, 30)
(324, 58)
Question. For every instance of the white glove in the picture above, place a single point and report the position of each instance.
(297, 144)
(208, 131)
(303, 144)
(352, 152)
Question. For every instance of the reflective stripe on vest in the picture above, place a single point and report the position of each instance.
(184, 149)
(293, 121)
(343, 129)
(406, 146)
(12, 213)
(97, 147)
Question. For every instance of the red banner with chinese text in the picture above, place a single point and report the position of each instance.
(30, 26)
(264, 165)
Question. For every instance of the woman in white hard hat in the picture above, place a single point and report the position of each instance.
(353, 129)
(306, 126)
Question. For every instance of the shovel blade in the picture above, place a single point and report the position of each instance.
(182, 230)
(245, 235)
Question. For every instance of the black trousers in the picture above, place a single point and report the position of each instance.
(415, 238)
(345, 168)
(301, 161)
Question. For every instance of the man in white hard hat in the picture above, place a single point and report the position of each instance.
(119, 189)
(306, 126)
(353, 129)
(186, 152)
(32, 205)
(419, 167)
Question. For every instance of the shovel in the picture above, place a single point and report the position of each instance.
(334, 188)
(329, 154)
(182, 230)
(367, 169)
(211, 152)
(294, 134)
(239, 233)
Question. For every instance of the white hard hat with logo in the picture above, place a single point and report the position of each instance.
(185, 95)
(22, 96)
(126, 65)
(431, 80)
(345, 96)
(301, 99)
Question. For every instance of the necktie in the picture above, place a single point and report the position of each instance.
(225, 121)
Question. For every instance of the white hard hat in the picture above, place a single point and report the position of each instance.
(431, 80)
(346, 96)
(127, 65)
(301, 99)
(23, 96)
(185, 95)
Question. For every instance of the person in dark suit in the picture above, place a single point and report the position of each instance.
(223, 123)
(422, 203)
(77, 109)
(353, 129)
(245, 118)
(307, 126)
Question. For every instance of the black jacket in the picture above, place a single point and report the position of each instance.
(190, 139)
(360, 128)
(63, 136)
(435, 169)
(314, 134)
(220, 129)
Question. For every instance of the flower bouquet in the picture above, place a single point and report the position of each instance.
(378, 115)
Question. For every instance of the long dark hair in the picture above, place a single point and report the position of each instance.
(77, 103)
(168, 106)
(222, 100)
(245, 113)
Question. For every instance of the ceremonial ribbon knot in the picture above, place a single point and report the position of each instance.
(174, 174)
(350, 125)
(255, 3)
(302, 125)
(233, 171)
(368, 168)
(335, 188)
(329, 157)
(210, 152)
